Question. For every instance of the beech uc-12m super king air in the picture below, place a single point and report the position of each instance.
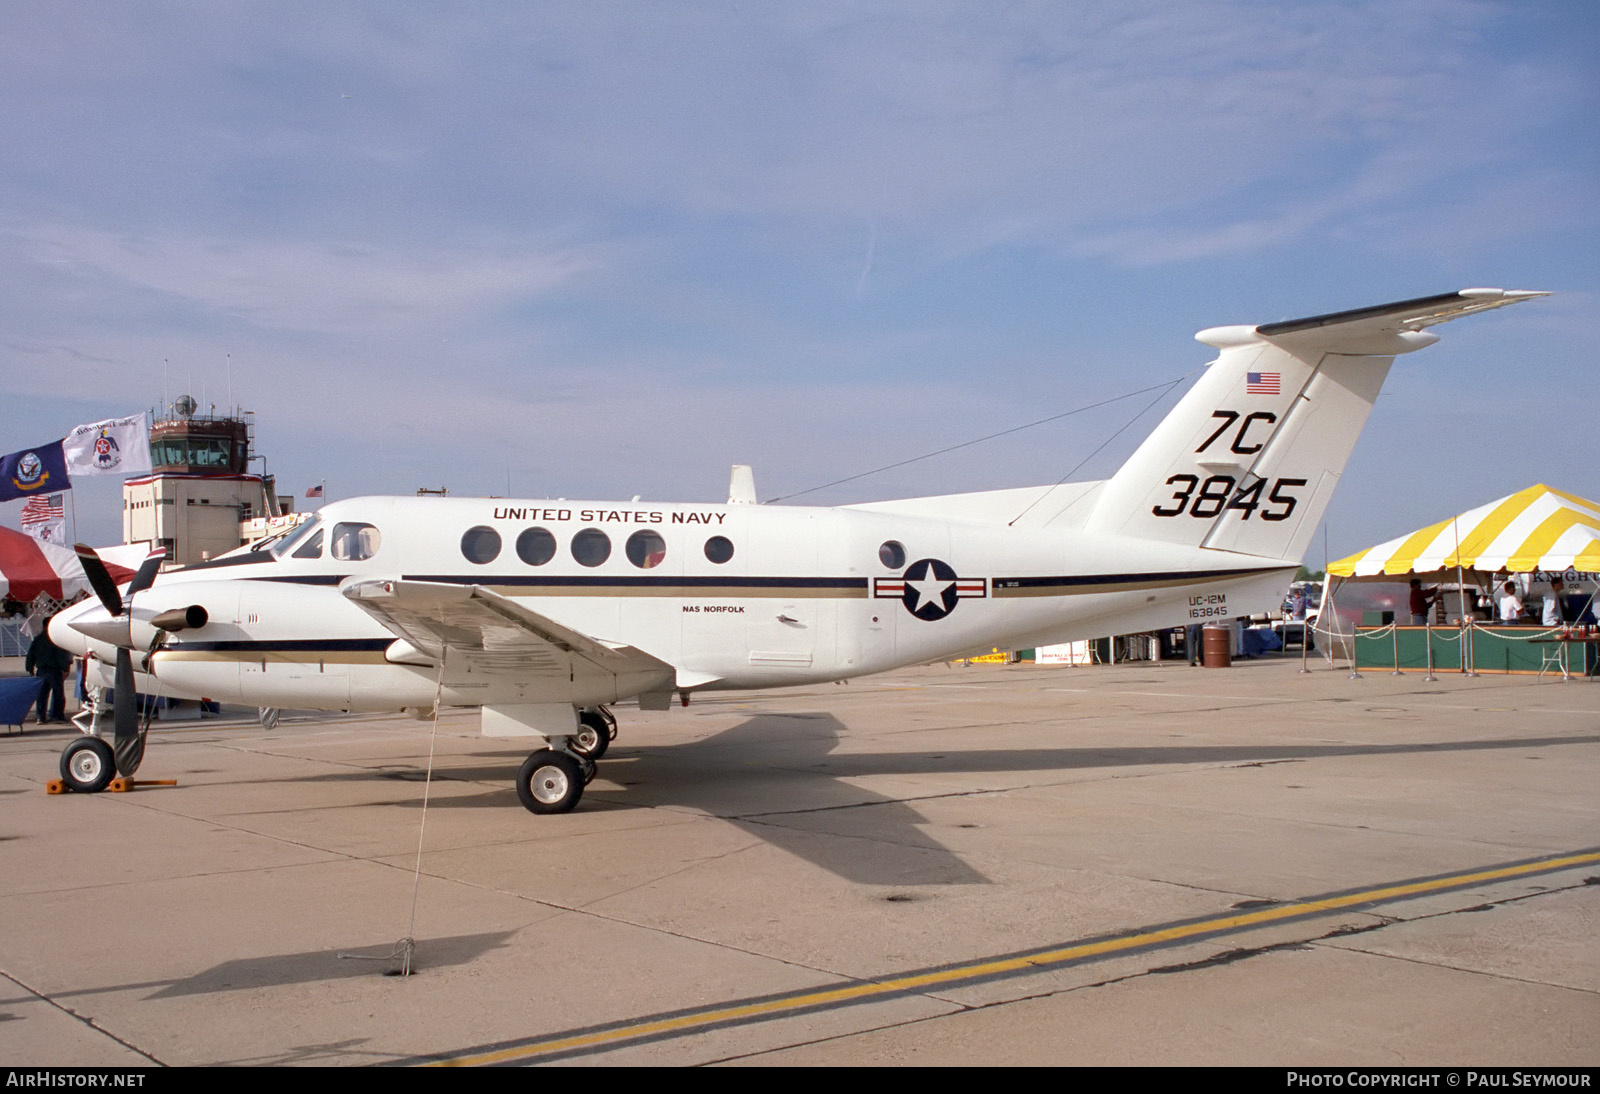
(542, 613)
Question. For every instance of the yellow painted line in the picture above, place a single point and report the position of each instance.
(857, 992)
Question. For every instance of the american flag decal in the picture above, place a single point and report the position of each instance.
(1261, 383)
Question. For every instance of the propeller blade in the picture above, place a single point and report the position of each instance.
(99, 579)
(146, 576)
(128, 741)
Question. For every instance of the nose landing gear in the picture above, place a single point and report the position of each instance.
(88, 765)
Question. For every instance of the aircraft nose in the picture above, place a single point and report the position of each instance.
(65, 633)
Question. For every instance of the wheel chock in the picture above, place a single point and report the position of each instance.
(116, 786)
(121, 784)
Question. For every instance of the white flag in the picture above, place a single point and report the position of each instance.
(49, 531)
(117, 446)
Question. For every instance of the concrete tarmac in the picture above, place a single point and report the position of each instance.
(1140, 864)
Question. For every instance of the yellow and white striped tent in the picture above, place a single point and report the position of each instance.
(1539, 528)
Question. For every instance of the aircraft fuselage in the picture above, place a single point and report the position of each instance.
(730, 596)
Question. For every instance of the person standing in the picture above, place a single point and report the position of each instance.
(1554, 612)
(1421, 600)
(49, 662)
(1510, 604)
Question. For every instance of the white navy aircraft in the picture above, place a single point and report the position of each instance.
(542, 613)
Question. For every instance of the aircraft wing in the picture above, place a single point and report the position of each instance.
(491, 632)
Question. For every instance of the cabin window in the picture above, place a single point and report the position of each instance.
(591, 547)
(354, 541)
(480, 544)
(536, 546)
(719, 549)
(646, 549)
(892, 554)
(311, 548)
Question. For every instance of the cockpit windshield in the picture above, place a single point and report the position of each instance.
(281, 545)
(273, 545)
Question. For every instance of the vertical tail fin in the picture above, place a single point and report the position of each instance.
(1248, 459)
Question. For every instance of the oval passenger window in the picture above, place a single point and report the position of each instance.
(646, 549)
(591, 547)
(892, 554)
(480, 544)
(719, 549)
(536, 546)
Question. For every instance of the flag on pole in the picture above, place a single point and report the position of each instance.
(43, 507)
(48, 531)
(45, 519)
(116, 446)
(315, 491)
(33, 471)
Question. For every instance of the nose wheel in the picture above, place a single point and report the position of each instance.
(88, 765)
(553, 782)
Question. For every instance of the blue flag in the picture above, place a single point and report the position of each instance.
(41, 470)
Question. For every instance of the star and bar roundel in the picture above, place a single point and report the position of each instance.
(929, 588)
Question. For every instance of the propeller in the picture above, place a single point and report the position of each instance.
(128, 736)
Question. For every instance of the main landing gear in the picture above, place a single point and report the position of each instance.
(552, 779)
(597, 728)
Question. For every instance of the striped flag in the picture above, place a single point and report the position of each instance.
(44, 518)
(1261, 383)
(42, 508)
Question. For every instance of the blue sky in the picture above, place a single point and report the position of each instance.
(607, 249)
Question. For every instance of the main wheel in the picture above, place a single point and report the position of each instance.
(593, 736)
(88, 765)
(550, 782)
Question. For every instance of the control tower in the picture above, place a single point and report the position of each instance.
(200, 492)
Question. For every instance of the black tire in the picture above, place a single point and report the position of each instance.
(593, 736)
(550, 782)
(88, 765)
